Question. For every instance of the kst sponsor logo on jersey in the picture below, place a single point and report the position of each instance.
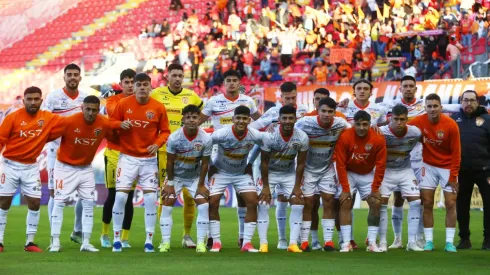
(360, 156)
(85, 141)
(30, 133)
(138, 123)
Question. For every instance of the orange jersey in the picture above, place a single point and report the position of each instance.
(80, 141)
(149, 125)
(441, 145)
(110, 106)
(315, 113)
(361, 156)
(24, 135)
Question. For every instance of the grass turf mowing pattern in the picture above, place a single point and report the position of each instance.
(230, 261)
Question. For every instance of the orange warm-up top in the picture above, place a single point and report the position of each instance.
(315, 113)
(149, 125)
(80, 141)
(24, 135)
(110, 105)
(360, 155)
(441, 145)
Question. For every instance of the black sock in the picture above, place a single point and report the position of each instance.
(108, 204)
(128, 212)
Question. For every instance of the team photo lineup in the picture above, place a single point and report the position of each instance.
(306, 159)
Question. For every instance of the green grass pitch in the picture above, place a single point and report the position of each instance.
(230, 261)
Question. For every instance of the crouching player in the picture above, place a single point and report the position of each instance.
(278, 169)
(188, 152)
(400, 141)
(73, 170)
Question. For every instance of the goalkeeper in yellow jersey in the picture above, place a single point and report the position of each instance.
(175, 98)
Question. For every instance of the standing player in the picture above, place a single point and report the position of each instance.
(145, 129)
(188, 152)
(65, 102)
(234, 144)
(220, 108)
(73, 170)
(441, 156)
(360, 161)
(111, 156)
(400, 141)
(24, 133)
(323, 131)
(362, 92)
(318, 95)
(175, 98)
(279, 151)
(288, 98)
(416, 107)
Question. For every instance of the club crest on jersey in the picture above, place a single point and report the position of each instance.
(295, 146)
(97, 132)
(150, 115)
(129, 111)
(23, 123)
(40, 123)
(440, 134)
(64, 103)
(479, 121)
(197, 147)
(368, 147)
(185, 100)
(411, 141)
(77, 130)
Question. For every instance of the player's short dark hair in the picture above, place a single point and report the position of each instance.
(399, 110)
(362, 81)
(242, 110)
(470, 92)
(142, 77)
(192, 109)
(91, 99)
(408, 77)
(322, 91)
(72, 67)
(128, 73)
(288, 87)
(433, 97)
(287, 109)
(175, 66)
(231, 73)
(33, 90)
(362, 116)
(328, 101)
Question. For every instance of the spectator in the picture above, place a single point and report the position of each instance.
(409, 69)
(234, 22)
(428, 69)
(367, 64)
(344, 67)
(165, 26)
(176, 5)
(466, 34)
(454, 53)
(300, 35)
(265, 68)
(143, 34)
(344, 78)
(249, 10)
(248, 60)
(264, 20)
(320, 73)
(393, 74)
(195, 57)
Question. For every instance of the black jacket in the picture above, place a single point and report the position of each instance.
(475, 139)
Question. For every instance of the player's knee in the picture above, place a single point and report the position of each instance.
(282, 198)
(398, 199)
(295, 201)
(169, 202)
(33, 203)
(51, 193)
(428, 202)
(450, 204)
(5, 203)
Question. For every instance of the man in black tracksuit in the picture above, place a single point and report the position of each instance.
(474, 127)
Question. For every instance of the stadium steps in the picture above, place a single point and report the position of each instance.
(61, 35)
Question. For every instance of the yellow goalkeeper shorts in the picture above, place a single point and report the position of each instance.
(111, 158)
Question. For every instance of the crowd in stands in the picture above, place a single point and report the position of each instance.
(422, 38)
